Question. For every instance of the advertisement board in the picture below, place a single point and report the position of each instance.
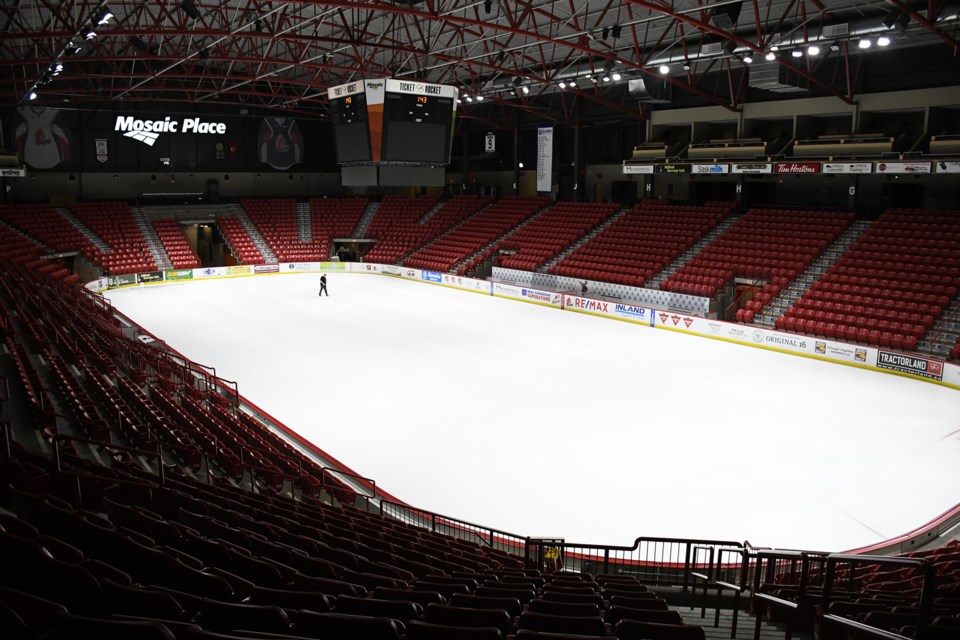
(411, 274)
(915, 168)
(299, 267)
(526, 294)
(266, 268)
(364, 267)
(333, 267)
(150, 276)
(431, 276)
(209, 272)
(751, 167)
(711, 168)
(239, 270)
(178, 274)
(638, 169)
(390, 270)
(847, 167)
(468, 284)
(97, 285)
(605, 308)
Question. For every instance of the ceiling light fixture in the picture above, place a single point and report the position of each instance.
(796, 53)
(813, 50)
(664, 69)
(88, 33)
(32, 95)
(686, 65)
(770, 57)
(883, 41)
(104, 16)
(615, 77)
(526, 90)
(747, 59)
(864, 43)
(834, 46)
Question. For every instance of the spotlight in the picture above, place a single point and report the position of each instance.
(479, 98)
(796, 53)
(71, 49)
(488, 6)
(747, 59)
(896, 18)
(469, 99)
(88, 33)
(563, 85)
(605, 33)
(190, 9)
(204, 54)
(864, 43)
(834, 46)
(606, 78)
(774, 47)
(664, 69)
(32, 95)
(517, 81)
(615, 77)
(686, 65)
(770, 57)
(58, 67)
(615, 31)
(883, 41)
(525, 90)
(104, 16)
(813, 50)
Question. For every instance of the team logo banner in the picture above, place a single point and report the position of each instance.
(102, 151)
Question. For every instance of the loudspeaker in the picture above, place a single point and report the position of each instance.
(726, 17)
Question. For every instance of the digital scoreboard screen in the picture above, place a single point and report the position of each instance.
(386, 122)
(351, 131)
(417, 128)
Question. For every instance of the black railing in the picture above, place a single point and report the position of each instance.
(660, 561)
(927, 574)
(785, 569)
(494, 538)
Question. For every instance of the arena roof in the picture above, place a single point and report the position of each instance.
(513, 54)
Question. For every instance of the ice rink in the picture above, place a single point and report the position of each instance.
(543, 422)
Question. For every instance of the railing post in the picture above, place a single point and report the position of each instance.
(686, 568)
(606, 560)
(433, 522)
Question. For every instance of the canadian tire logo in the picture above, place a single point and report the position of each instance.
(688, 322)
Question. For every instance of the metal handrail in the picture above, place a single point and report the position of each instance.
(926, 590)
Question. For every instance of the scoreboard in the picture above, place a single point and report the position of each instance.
(386, 121)
(351, 130)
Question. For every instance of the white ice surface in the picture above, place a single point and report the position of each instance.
(542, 422)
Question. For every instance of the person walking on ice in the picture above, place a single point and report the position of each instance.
(323, 285)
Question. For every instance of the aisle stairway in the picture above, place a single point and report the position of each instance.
(304, 226)
(85, 230)
(154, 244)
(586, 238)
(258, 241)
(805, 280)
(368, 215)
(689, 254)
